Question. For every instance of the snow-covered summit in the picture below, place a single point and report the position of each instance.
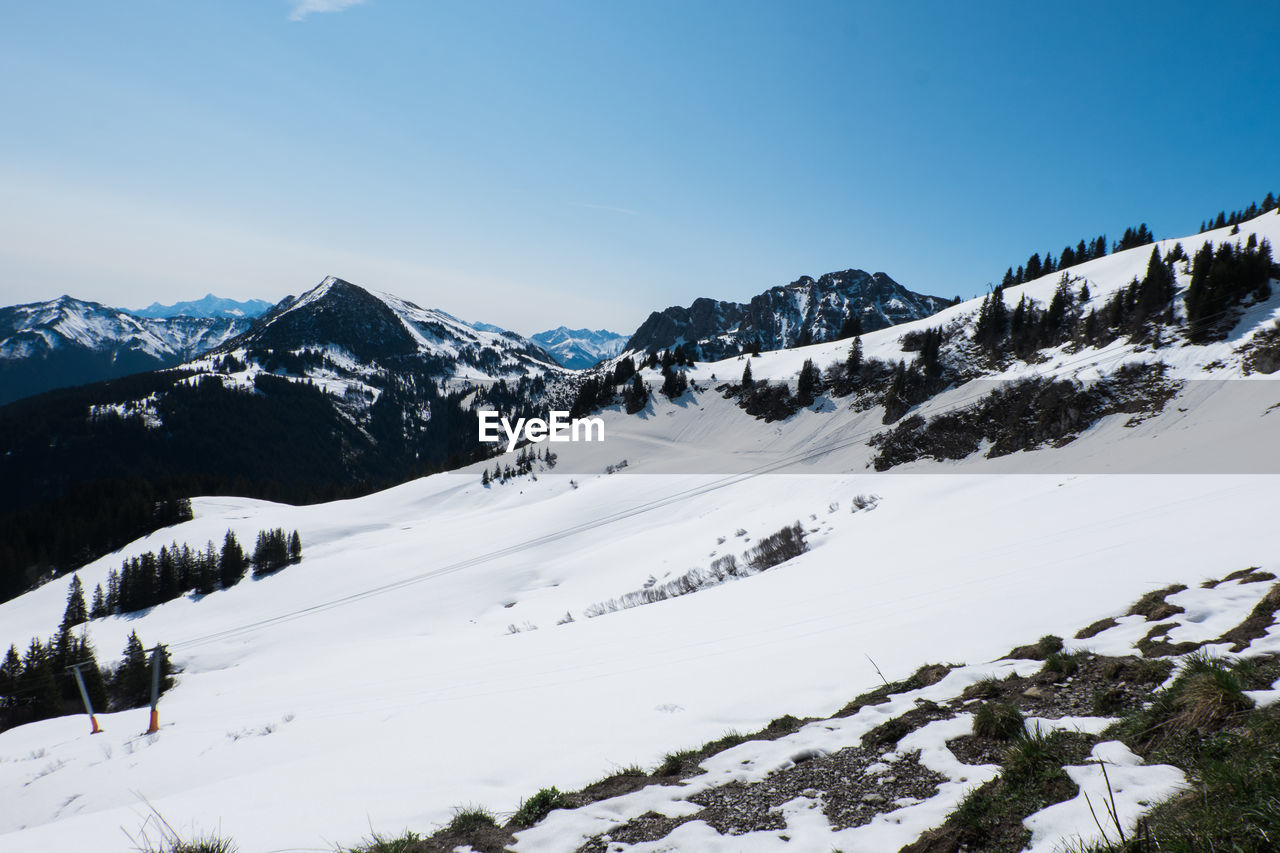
(807, 309)
(580, 348)
(375, 326)
(207, 306)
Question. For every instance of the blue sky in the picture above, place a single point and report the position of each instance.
(537, 163)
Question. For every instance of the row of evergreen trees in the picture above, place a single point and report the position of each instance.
(595, 392)
(775, 401)
(677, 357)
(525, 461)
(38, 683)
(150, 579)
(1253, 210)
(1035, 267)
(1223, 278)
(623, 383)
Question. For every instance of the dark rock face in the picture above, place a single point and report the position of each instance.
(806, 310)
(343, 315)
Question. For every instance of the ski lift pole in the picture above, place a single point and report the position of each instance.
(155, 691)
(84, 694)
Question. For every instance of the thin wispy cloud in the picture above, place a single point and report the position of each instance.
(628, 211)
(303, 8)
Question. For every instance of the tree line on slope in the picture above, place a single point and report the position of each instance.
(1083, 251)
(88, 486)
(1222, 279)
(1255, 209)
(153, 578)
(38, 684)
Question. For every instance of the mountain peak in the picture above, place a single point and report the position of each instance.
(579, 348)
(807, 308)
(337, 313)
(208, 306)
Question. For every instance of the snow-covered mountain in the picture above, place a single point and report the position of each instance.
(380, 329)
(806, 310)
(207, 306)
(510, 635)
(68, 341)
(342, 390)
(580, 348)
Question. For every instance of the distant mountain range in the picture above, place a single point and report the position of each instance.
(804, 311)
(68, 341)
(208, 306)
(580, 348)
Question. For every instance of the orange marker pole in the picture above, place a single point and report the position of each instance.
(155, 691)
(84, 694)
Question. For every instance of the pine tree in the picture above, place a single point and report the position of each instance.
(295, 543)
(930, 359)
(133, 677)
(747, 380)
(148, 581)
(271, 553)
(808, 382)
(113, 592)
(167, 575)
(207, 572)
(853, 361)
(674, 382)
(1033, 267)
(48, 698)
(185, 563)
(637, 396)
(10, 675)
(260, 560)
(1091, 326)
(993, 321)
(232, 563)
(76, 613)
(484, 477)
(94, 683)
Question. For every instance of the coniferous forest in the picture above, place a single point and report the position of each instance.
(93, 484)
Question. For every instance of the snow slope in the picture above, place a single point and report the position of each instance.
(389, 708)
(378, 683)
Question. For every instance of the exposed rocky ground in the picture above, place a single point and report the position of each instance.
(1016, 733)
